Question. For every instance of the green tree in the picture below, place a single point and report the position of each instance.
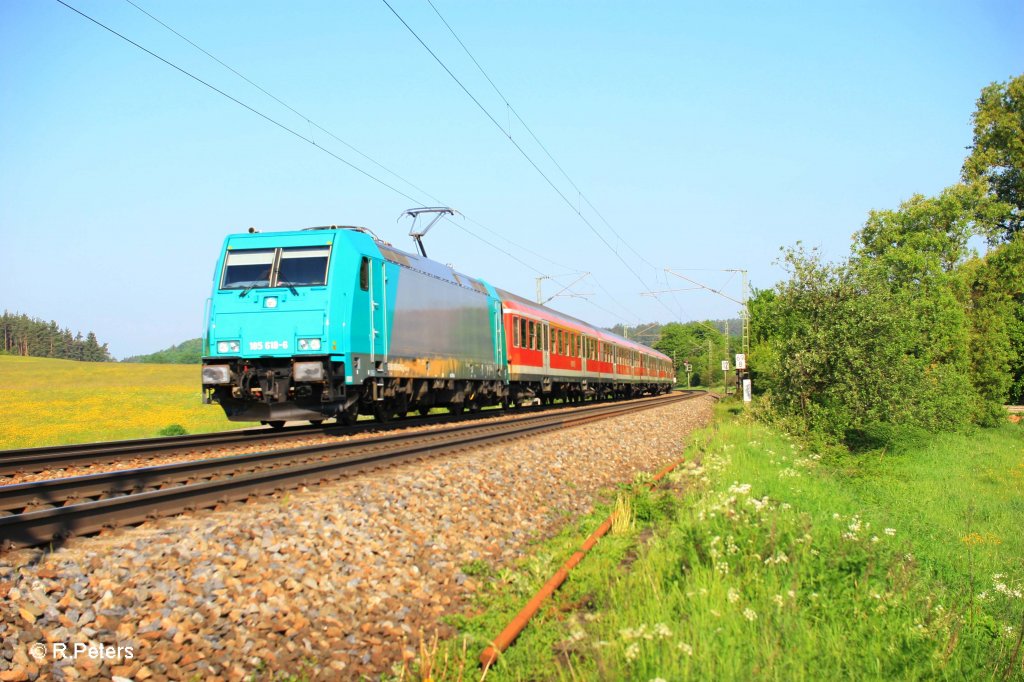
(997, 151)
(688, 342)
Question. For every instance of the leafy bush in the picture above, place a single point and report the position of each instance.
(173, 430)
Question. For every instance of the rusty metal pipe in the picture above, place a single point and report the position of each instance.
(499, 644)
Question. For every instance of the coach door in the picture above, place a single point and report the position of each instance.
(378, 315)
(545, 345)
(499, 342)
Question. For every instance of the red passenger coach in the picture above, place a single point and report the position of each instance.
(551, 355)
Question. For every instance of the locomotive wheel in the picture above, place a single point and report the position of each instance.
(424, 411)
(455, 409)
(316, 422)
(348, 416)
(400, 407)
(277, 424)
(381, 412)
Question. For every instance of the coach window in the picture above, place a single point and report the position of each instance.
(532, 336)
(515, 331)
(303, 267)
(523, 338)
(248, 268)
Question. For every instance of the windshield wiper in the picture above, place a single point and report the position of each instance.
(291, 287)
(256, 282)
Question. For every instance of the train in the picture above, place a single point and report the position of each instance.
(333, 322)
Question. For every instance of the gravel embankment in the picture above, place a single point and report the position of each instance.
(334, 582)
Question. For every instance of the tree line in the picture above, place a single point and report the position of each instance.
(915, 327)
(29, 336)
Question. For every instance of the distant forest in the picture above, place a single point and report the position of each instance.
(24, 335)
(651, 332)
(185, 353)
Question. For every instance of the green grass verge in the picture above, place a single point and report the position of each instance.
(784, 564)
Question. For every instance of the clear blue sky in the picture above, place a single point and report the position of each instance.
(707, 134)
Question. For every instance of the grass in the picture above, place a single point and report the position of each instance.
(780, 563)
(56, 402)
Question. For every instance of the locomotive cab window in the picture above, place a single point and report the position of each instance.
(248, 268)
(303, 267)
(364, 274)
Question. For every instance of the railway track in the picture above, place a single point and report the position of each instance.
(35, 460)
(44, 512)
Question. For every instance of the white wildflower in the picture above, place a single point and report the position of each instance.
(685, 648)
(750, 614)
(661, 630)
(779, 601)
(733, 596)
(890, 531)
(632, 651)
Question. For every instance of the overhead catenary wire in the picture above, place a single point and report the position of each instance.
(310, 140)
(523, 152)
(239, 102)
(325, 130)
(312, 123)
(290, 130)
(536, 139)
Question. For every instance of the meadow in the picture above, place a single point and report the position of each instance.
(55, 402)
(764, 559)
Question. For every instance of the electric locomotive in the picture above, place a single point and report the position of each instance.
(334, 322)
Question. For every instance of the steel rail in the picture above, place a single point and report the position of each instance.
(51, 492)
(35, 460)
(229, 480)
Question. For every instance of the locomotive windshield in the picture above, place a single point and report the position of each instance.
(284, 267)
(250, 268)
(303, 266)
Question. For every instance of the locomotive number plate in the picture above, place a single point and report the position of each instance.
(268, 345)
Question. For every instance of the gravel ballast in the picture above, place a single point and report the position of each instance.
(332, 582)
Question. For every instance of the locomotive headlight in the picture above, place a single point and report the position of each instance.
(309, 344)
(228, 346)
(270, 302)
(308, 371)
(216, 374)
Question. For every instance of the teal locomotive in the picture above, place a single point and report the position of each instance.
(332, 322)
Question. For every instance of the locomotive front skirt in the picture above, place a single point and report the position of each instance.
(333, 322)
